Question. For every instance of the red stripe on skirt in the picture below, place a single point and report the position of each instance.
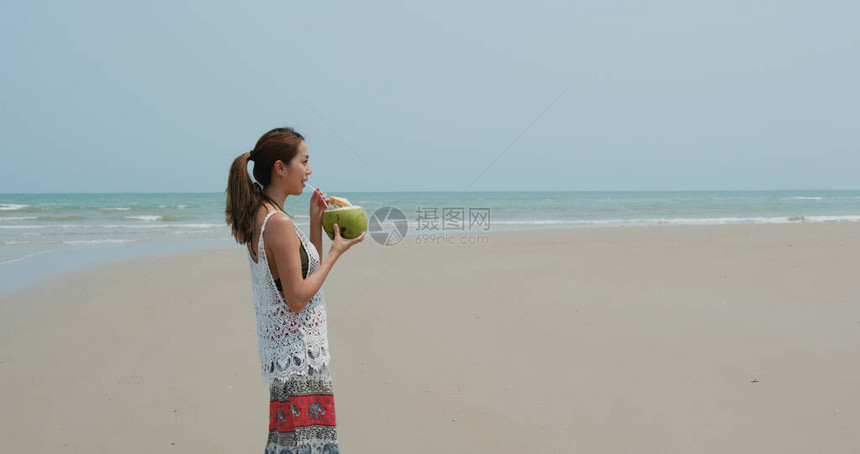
(302, 411)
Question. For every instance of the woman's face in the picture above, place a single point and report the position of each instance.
(298, 170)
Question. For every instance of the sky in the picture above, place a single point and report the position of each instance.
(161, 96)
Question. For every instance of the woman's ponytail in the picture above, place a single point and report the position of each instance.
(244, 197)
(243, 200)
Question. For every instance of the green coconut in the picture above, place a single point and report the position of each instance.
(352, 221)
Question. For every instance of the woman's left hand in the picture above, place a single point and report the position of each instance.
(319, 203)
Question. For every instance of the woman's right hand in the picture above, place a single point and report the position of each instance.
(340, 245)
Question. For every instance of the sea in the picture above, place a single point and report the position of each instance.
(43, 235)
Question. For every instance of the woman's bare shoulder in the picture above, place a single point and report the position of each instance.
(278, 225)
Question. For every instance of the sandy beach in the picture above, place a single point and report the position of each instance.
(707, 339)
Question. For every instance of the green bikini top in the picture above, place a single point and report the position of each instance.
(304, 258)
(304, 255)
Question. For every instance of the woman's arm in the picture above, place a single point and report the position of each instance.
(282, 241)
(316, 236)
(318, 206)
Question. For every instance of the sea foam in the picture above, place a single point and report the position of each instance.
(104, 241)
(148, 218)
(12, 206)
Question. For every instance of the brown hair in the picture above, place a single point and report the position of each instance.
(244, 197)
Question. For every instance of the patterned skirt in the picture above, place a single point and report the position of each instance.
(301, 418)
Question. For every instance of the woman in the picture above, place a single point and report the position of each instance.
(286, 279)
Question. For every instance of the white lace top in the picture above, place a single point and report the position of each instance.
(291, 345)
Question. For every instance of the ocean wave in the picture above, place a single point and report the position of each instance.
(62, 218)
(23, 257)
(164, 225)
(115, 209)
(146, 217)
(44, 218)
(672, 221)
(53, 226)
(113, 226)
(547, 222)
(29, 227)
(202, 226)
(158, 218)
(802, 198)
(12, 206)
(111, 241)
(832, 218)
(48, 241)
